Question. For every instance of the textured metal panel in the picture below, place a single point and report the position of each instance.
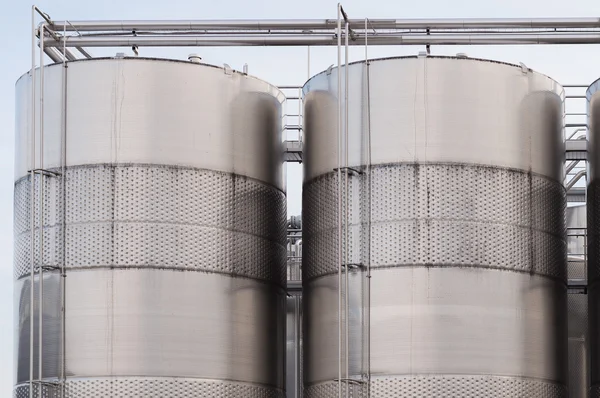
(479, 217)
(579, 364)
(135, 387)
(437, 109)
(137, 110)
(49, 390)
(441, 321)
(162, 217)
(462, 386)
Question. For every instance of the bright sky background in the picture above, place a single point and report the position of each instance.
(281, 66)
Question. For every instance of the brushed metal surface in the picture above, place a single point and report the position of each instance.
(438, 109)
(293, 367)
(443, 321)
(162, 323)
(461, 217)
(579, 362)
(51, 324)
(174, 231)
(593, 230)
(137, 110)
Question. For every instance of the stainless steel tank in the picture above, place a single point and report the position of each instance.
(593, 230)
(579, 360)
(164, 205)
(456, 206)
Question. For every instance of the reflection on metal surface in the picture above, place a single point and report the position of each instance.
(460, 219)
(293, 384)
(579, 366)
(593, 230)
(168, 215)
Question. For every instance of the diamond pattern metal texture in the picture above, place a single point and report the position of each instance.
(156, 216)
(447, 386)
(153, 388)
(438, 215)
(49, 390)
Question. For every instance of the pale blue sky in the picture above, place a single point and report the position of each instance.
(283, 66)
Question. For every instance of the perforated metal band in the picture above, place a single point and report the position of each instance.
(134, 387)
(444, 386)
(157, 216)
(439, 215)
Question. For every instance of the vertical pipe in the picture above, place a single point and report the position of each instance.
(41, 231)
(368, 254)
(347, 215)
(339, 180)
(300, 114)
(32, 205)
(301, 94)
(63, 164)
(297, 345)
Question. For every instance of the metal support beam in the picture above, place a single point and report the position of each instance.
(576, 149)
(293, 151)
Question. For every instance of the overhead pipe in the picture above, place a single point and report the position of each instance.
(53, 54)
(327, 40)
(326, 24)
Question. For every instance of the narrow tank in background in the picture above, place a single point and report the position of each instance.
(593, 223)
(579, 360)
(456, 203)
(164, 202)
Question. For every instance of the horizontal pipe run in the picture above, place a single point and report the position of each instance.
(327, 40)
(322, 24)
(53, 54)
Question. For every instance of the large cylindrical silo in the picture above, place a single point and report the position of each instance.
(579, 362)
(455, 206)
(164, 207)
(593, 233)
